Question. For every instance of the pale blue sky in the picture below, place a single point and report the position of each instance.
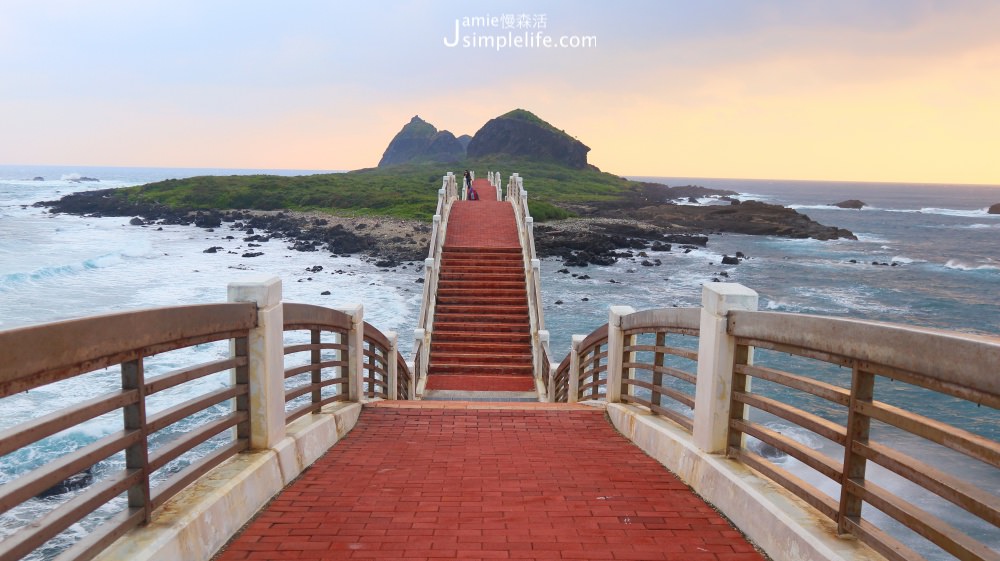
(800, 89)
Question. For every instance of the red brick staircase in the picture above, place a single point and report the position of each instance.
(481, 339)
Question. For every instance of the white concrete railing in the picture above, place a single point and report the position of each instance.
(518, 197)
(497, 182)
(797, 510)
(447, 195)
(266, 425)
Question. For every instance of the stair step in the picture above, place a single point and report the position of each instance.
(481, 276)
(483, 251)
(508, 337)
(481, 327)
(476, 297)
(480, 358)
(472, 284)
(481, 347)
(481, 317)
(483, 306)
(478, 369)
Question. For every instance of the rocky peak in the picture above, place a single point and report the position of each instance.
(420, 141)
(522, 134)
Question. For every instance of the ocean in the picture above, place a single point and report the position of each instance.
(925, 255)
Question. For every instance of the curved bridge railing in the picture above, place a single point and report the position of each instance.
(877, 464)
(162, 423)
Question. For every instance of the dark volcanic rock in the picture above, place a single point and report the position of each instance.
(137, 221)
(850, 203)
(995, 209)
(730, 260)
(420, 141)
(521, 134)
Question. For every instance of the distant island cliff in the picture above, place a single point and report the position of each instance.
(583, 206)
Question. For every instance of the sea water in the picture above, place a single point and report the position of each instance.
(940, 238)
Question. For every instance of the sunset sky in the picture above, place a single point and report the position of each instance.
(878, 90)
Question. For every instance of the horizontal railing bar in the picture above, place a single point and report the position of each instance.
(675, 416)
(315, 327)
(598, 336)
(799, 487)
(373, 335)
(946, 387)
(374, 370)
(663, 318)
(888, 546)
(819, 462)
(174, 449)
(162, 419)
(298, 391)
(939, 532)
(102, 536)
(682, 397)
(668, 413)
(827, 429)
(839, 360)
(972, 445)
(311, 315)
(32, 483)
(309, 407)
(653, 330)
(292, 349)
(817, 388)
(377, 382)
(32, 360)
(596, 384)
(171, 486)
(177, 377)
(908, 348)
(52, 523)
(314, 366)
(33, 430)
(973, 499)
(592, 361)
(690, 354)
(668, 370)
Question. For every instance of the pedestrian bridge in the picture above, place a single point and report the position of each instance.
(309, 436)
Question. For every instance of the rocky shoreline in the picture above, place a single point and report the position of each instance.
(596, 238)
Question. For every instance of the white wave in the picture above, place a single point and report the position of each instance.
(978, 226)
(977, 213)
(906, 260)
(829, 207)
(957, 265)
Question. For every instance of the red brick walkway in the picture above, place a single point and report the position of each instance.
(491, 481)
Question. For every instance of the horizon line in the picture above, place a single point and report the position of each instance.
(625, 175)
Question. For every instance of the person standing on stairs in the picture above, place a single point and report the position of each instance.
(472, 195)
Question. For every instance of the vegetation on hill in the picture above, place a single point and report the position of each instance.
(403, 191)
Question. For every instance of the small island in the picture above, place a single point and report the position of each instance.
(582, 214)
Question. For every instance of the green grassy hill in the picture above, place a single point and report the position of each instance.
(404, 191)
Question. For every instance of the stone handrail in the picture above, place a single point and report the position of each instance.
(518, 197)
(159, 465)
(735, 342)
(447, 195)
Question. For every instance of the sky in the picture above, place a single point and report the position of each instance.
(853, 90)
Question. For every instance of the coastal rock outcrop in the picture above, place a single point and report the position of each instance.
(995, 209)
(420, 141)
(521, 134)
(851, 204)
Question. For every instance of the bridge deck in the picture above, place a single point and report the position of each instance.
(430, 480)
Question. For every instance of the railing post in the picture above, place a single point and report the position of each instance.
(541, 357)
(355, 352)
(616, 342)
(266, 372)
(420, 366)
(716, 353)
(573, 383)
(392, 365)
